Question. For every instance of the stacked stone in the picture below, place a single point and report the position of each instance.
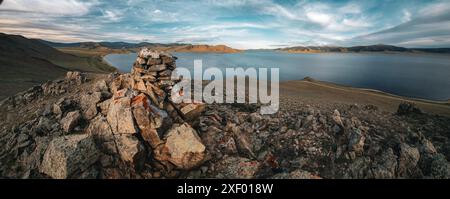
(151, 75)
(161, 123)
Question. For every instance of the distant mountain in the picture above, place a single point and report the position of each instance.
(171, 47)
(372, 48)
(25, 62)
(200, 48)
(112, 45)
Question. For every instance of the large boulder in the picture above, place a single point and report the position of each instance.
(130, 149)
(76, 77)
(69, 155)
(184, 147)
(120, 116)
(407, 160)
(100, 129)
(146, 124)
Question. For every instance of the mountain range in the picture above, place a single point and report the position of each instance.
(171, 47)
(371, 48)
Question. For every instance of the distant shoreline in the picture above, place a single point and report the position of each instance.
(368, 52)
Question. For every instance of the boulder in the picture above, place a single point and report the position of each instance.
(385, 165)
(62, 106)
(104, 106)
(103, 135)
(184, 147)
(406, 108)
(123, 81)
(407, 160)
(75, 76)
(337, 118)
(70, 121)
(120, 116)
(141, 113)
(192, 111)
(130, 149)
(101, 86)
(356, 141)
(68, 155)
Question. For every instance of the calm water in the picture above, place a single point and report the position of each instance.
(421, 76)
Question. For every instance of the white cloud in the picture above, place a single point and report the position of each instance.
(435, 9)
(54, 7)
(320, 18)
(278, 10)
(350, 8)
(112, 15)
(406, 16)
(358, 23)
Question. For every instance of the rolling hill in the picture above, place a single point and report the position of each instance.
(25, 62)
(170, 47)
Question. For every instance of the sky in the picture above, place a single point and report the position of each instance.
(242, 24)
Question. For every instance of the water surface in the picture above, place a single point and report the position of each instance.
(413, 75)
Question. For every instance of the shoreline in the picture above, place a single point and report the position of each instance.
(368, 53)
(374, 91)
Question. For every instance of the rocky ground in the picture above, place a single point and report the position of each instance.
(124, 126)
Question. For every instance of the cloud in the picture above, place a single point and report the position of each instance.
(112, 15)
(429, 28)
(320, 18)
(238, 23)
(52, 7)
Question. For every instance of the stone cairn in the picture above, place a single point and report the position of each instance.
(164, 125)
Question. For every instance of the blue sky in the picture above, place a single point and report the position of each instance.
(237, 23)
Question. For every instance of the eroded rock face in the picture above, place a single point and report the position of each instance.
(67, 155)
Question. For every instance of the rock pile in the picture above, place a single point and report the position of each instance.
(119, 127)
(155, 113)
(141, 105)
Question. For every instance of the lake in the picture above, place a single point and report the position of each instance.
(412, 75)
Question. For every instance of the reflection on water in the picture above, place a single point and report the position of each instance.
(412, 75)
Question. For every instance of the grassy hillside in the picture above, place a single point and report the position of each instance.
(26, 62)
